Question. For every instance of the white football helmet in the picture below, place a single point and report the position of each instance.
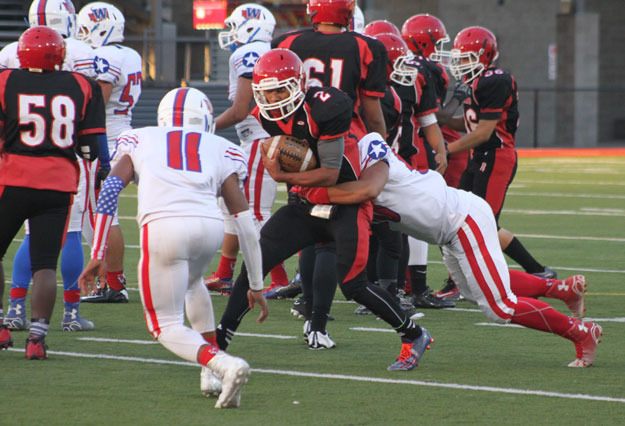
(59, 15)
(358, 21)
(99, 24)
(248, 22)
(186, 107)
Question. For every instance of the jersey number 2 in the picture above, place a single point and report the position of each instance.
(184, 159)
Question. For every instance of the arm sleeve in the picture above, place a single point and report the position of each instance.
(331, 152)
(92, 126)
(105, 210)
(250, 247)
(491, 94)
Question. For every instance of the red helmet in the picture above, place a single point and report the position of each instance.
(278, 69)
(381, 26)
(475, 49)
(424, 34)
(41, 48)
(337, 12)
(401, 68)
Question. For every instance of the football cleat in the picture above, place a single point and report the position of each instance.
(306, 329)
(427, 300)
(6, 340)
(547, 273)
(412, 352)
(290, 291)
(106, 295)
(298, 310)
(320, 340)
(271, 291)
(72, 321)
(234, 373)
(589, 337)
(36, 348)
(15, 319)
(219, 285)
(571, 291)
(450, 291)
(362, 310)
(210, 385)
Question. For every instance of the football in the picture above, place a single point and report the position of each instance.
(294, 154)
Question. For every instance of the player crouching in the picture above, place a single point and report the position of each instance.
(180, 168)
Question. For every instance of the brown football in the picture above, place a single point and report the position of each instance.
(294, 154)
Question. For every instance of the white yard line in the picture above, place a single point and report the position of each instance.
(567, 195)
(568, 182)
(566, 237)
(154, 342)
(536, 212)
(421, 383)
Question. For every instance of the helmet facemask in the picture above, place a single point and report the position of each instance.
(465, 66)
(404, 71)
(441, 55)
(284, 108)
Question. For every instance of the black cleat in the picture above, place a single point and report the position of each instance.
(547, 273)
(106, 295)
(289, 291)
(427, 300)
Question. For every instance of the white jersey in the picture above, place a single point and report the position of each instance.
(421, 203)
(120, 66)
(78, 57)
(242, 63)
(180, 172)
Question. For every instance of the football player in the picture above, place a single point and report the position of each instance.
(422, 205)
(491, 119)
(322, 116)
(419, 105)
(59, 15)
(355, 64)
(250, 29)
(118, 69)
(426, 36)
(181, 168)
(46, 115)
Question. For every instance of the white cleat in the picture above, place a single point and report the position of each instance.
(320, 340)
(210, 385)
(234, 373)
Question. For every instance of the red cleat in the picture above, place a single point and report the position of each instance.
(6, 341)
(571, 291)
(36, 348)
(217, 284)
(588, 336)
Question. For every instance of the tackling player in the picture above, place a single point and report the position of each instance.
(180, 169)
(250, 31)
(491, 119)
(46, 116)
(59, 15)
(422, 205)
(118, 68)
(322, 116)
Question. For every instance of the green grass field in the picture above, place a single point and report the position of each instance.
(570, 212)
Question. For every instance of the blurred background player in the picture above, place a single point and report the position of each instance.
(118, 69)
(250, 31)
(421, 204)
(180, 167)
(426, 36)
(46, 116)
(491, 119)
(333, 56)
(59, 15)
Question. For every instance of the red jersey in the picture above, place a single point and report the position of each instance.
(43, 117)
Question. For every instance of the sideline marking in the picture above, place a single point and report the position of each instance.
(154, 342)
(456, 386)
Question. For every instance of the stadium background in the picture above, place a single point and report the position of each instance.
(565, 55)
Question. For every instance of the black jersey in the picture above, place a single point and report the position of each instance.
(495, 97)
(348, 61)
(43, 117)
(391, 109)
(326, 113)
(438, 78)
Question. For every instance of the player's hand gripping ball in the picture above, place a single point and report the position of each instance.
(294, 154)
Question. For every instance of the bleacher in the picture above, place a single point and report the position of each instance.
(13, 15)
(144, 113)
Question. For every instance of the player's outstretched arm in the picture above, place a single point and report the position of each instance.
(248, 240)
(481, 134)
(241, 106)
(120, 176)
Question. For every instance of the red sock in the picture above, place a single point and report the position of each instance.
(528, 285)
(536, 314)
(206, 353)
(71, 296)
(226, 267)
(116, 280)
(279, 276)
(18, 293)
